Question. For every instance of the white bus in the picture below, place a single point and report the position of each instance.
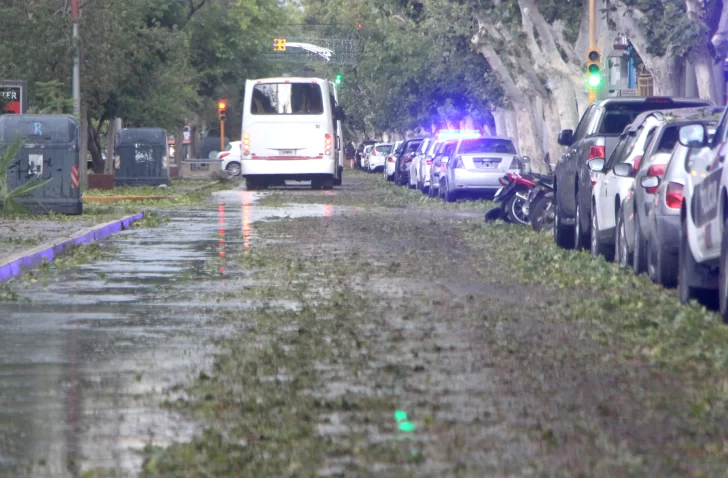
(291, 131)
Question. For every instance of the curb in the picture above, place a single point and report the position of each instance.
(36, 256)
(124, 198)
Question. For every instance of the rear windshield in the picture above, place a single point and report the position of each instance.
(618, 115)
(412, 146)
(385, 148)
(287, 99)
(487, 145)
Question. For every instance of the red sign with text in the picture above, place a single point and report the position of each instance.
(11, 99)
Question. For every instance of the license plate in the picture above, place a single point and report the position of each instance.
(287, 152)
(488, 165)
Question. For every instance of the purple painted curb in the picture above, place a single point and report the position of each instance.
(48, 252)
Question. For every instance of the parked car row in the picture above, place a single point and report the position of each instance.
(642, 184)
(452, 164)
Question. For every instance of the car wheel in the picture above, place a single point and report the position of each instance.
(639, 255)
(233, 169)
(598, 248)
(340, 179)
(450, 195)
(723, 274)
(538, 213)
(327, 184)
(563, 233)
(687, 265)
(661, 264)
(621, 251)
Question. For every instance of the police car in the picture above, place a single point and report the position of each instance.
(703, 267)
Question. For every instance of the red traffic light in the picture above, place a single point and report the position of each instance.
(358, 26)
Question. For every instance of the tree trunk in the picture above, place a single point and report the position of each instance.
(179, 147)
(112, 129)
(94, 146)
(664, 75)
(705, 75)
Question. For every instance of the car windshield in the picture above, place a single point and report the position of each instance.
(286, 99)
(487, 145)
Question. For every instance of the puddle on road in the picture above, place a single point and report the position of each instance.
(85, 364)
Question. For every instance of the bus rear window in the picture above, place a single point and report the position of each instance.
(287, 99)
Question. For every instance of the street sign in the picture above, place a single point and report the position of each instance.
(13, 97)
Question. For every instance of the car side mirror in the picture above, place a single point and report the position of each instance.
(596, 165)
(623, 170)
(566, 137)
(693, 135)
(525, 159)
(649, 182)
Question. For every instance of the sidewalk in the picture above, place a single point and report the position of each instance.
(13, 263)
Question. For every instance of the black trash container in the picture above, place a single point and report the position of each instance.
(50, 153)
(141, 157)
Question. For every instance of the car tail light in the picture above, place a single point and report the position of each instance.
(656, 170)
(636, 165)
(390, 159)
(246, 144)
(674, 195)
(327, 144)
(374, 152)
(596, 152)
(407, 159)
(428, 162)
(224, 155)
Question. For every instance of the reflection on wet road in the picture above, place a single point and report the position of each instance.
(86, 361)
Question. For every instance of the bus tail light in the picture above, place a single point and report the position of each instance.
(246, 144)
(327, 144)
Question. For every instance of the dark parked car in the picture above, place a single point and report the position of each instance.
(403, 160)
(596, 136)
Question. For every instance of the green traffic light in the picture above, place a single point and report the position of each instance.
(339, 78)
(595, 80)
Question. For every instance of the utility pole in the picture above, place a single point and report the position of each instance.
(80, 114)
(76, 59)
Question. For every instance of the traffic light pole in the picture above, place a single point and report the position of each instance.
(222, 135)
(592, 40)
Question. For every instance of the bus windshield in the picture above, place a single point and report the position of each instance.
(287, 99)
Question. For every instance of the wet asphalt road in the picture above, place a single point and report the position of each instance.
(86, 361)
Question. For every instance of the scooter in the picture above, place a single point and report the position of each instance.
(513, 199)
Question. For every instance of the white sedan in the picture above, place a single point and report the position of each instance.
(231, 158)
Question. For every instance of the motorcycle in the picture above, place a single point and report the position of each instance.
(526, 198)
(513, 199)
